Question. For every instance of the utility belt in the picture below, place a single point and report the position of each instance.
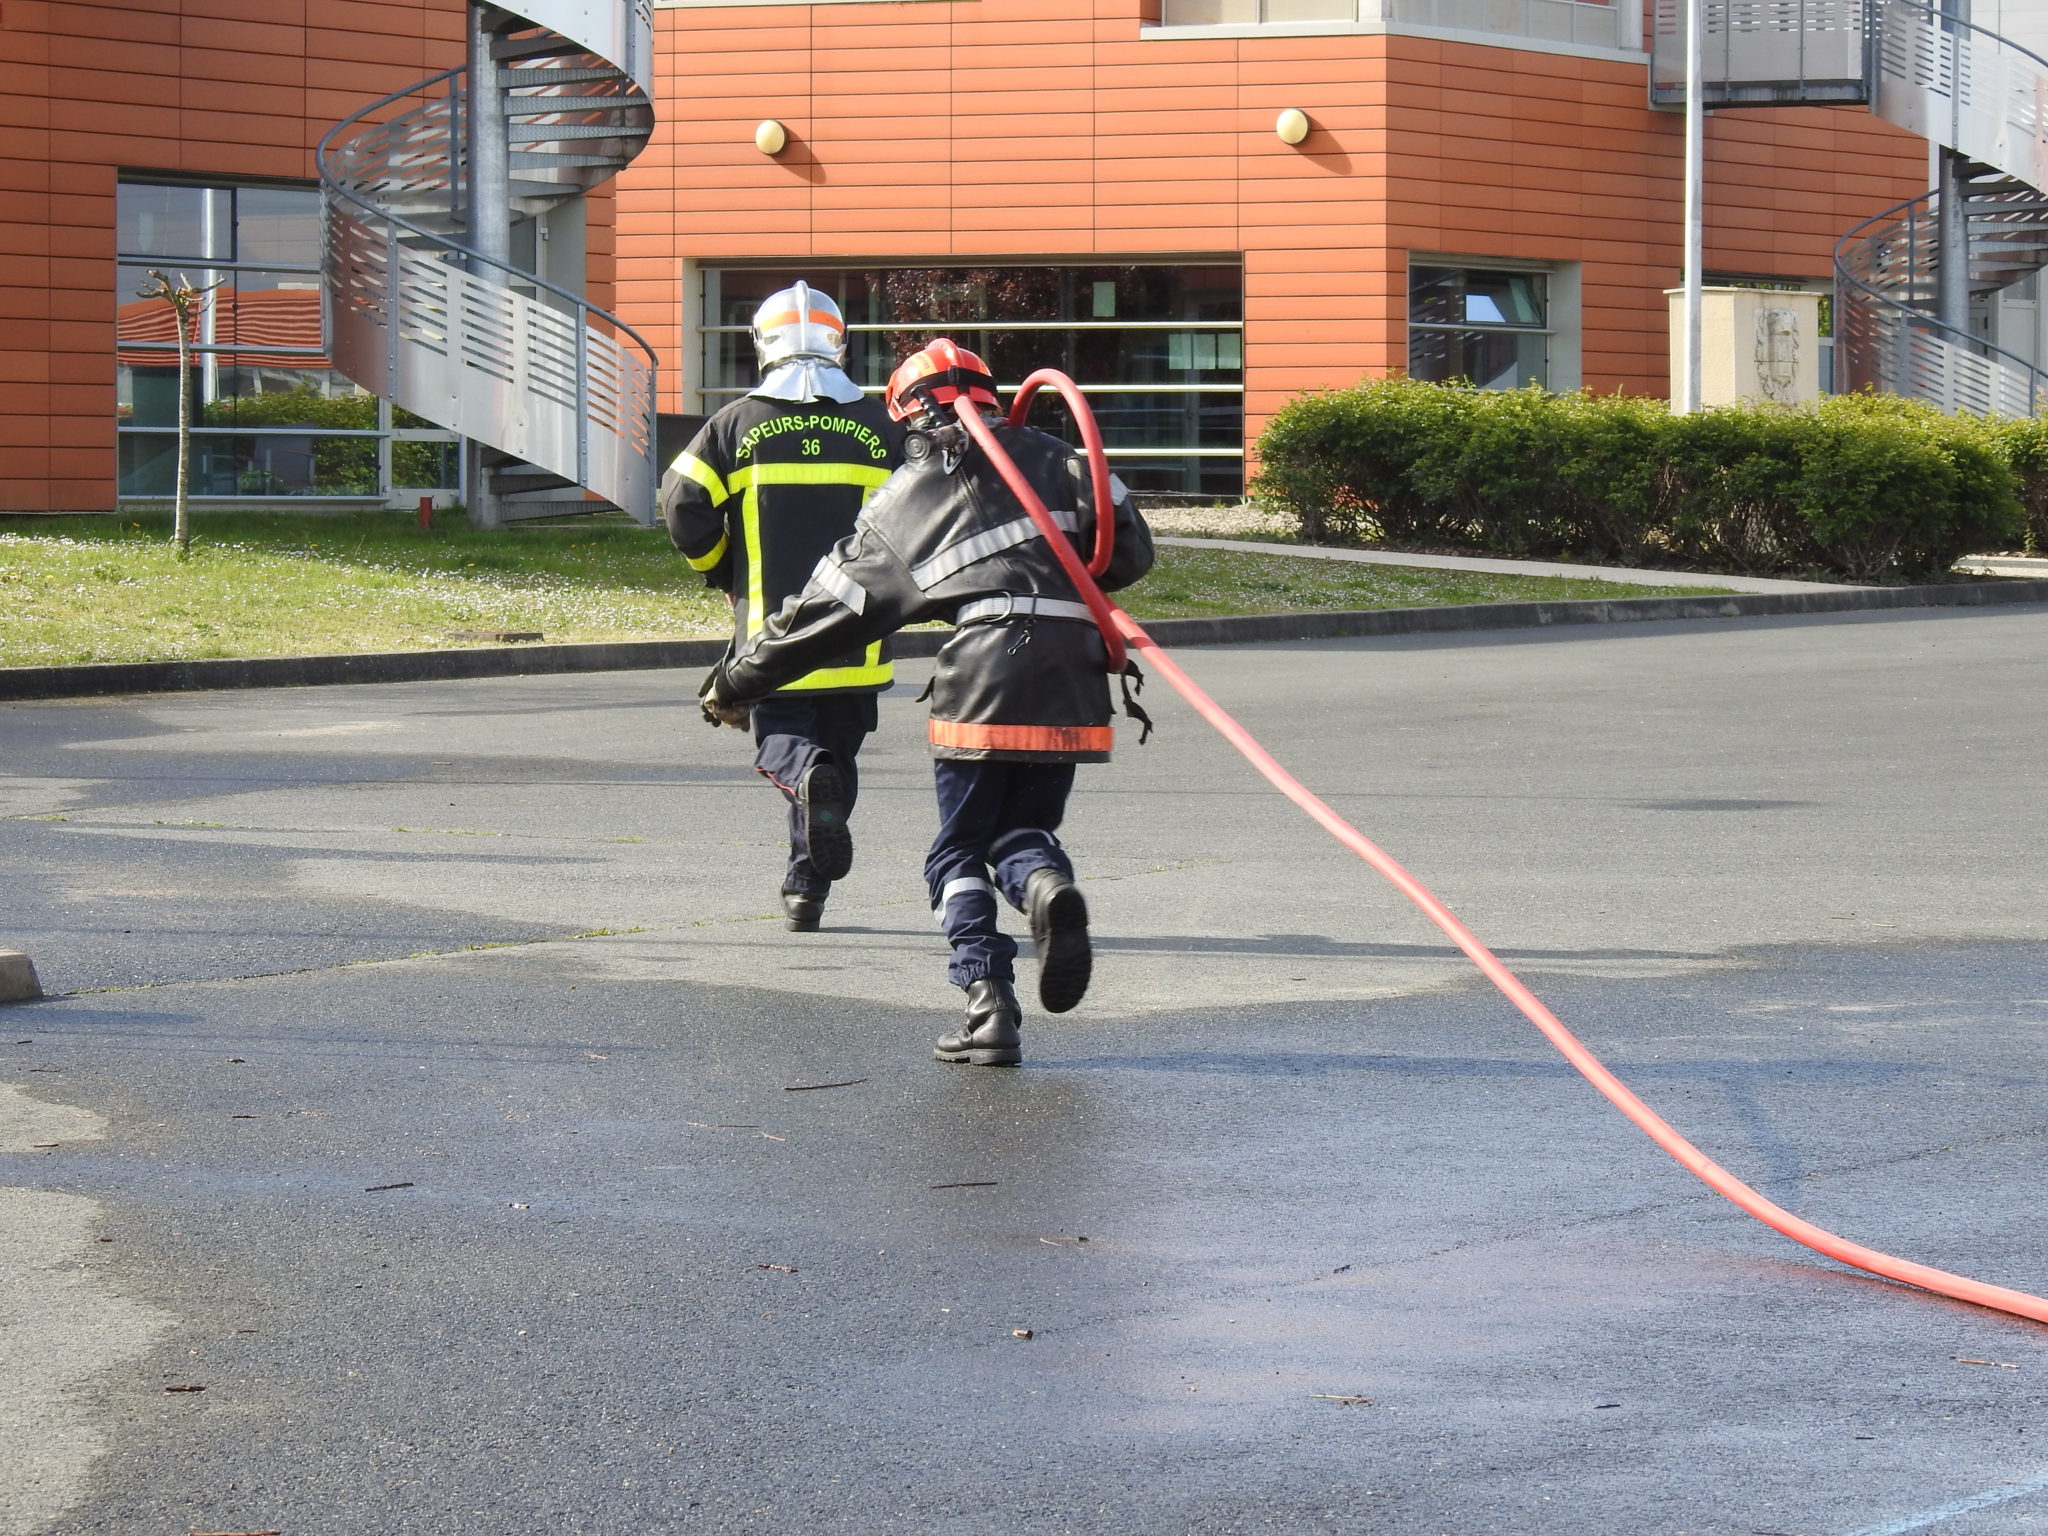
(1022, 606)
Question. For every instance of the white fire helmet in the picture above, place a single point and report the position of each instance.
(798, 322)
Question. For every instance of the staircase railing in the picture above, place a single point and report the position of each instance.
(1945, 79)
(1964, 86)
(1985, 97)
(416, 313)
(1886, 339)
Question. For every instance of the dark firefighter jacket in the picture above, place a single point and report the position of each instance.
(946, 534)
(762, 492)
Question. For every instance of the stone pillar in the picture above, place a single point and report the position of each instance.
(1757, 345)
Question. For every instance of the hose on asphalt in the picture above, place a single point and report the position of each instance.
(1121, 632)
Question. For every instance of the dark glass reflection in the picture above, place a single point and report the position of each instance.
(1474, 296)
(240, 389)
(1490, 359)
(286, 464)
(972, 305)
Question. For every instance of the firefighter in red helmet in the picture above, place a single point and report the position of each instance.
(1020, 695)
(769, 484)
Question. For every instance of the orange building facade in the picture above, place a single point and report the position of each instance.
(1073, 181)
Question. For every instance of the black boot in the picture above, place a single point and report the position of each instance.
(803, 910)
(989, 1037)
(1059, 929)
(821, 797)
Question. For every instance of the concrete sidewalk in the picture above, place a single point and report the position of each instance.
(2002, 565)
(1631, 575)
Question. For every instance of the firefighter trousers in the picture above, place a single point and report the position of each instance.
(997, 822)
(792, 733)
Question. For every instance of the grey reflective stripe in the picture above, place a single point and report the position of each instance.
(960, 887)
(1008, 838)
(833, 578)
(1079, 469)
(957, 557)
(1023, 608)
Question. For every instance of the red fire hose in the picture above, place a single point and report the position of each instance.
(1119, 627)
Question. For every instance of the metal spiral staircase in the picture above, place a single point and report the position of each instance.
(424, 304)
(1905, 279)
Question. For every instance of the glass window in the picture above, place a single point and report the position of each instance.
(1487, 327)
(189, 222)
(1160, 349)
(1244, 13)
(270, 464)
(277, 224)
(265, 401)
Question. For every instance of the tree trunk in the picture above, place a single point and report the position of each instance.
(181, 513)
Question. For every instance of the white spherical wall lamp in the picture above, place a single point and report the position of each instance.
(771, 137)
(1292, 126)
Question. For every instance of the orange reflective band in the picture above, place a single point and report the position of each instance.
(1023, 738)
(817, 317)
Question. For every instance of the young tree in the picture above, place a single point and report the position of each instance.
(189, 301)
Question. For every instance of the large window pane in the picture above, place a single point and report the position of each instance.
(1128, 419)
(1209, 13)
(1504, 298)
(1183, 475)
(1311, 10)
(256, 353)
(189, 222)
(426, 466)
(256, 396)
(1473, 296)
(1490, 359)
(954, 296)
(266, 308)
(288, 464)
(240, 389)
(277, 224)
(1477, 324)
(1109, 326)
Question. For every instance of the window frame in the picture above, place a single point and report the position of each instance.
(713, 396)
(208, 267)
(1560, 303)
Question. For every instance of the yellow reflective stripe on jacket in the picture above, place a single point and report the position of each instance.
(747, 481)
(689, 465)
(705, 562)
(869, 475)
(871, 671)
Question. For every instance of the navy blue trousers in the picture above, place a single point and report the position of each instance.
(995, 819)
(792, 731)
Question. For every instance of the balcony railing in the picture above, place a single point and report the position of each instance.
(1578, 23)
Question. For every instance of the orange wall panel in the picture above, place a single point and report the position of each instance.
(226, 87)
(1022, 128)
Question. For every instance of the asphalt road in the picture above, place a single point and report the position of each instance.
(420, 1092)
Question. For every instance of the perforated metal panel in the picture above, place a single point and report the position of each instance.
(417, 314)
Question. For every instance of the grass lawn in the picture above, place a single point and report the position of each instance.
(262, 584)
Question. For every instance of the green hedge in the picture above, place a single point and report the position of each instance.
(1867, 487)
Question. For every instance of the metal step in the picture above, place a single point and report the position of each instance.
(561, 133)
(541, 159)
(526, 106)
(548, 74)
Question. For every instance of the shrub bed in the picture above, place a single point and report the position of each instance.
(1865, 487)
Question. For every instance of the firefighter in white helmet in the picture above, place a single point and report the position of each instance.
(765, 490)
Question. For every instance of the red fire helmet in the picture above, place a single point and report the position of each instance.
(938, 376)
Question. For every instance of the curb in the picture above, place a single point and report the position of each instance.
(18, 982)
(19, 684)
